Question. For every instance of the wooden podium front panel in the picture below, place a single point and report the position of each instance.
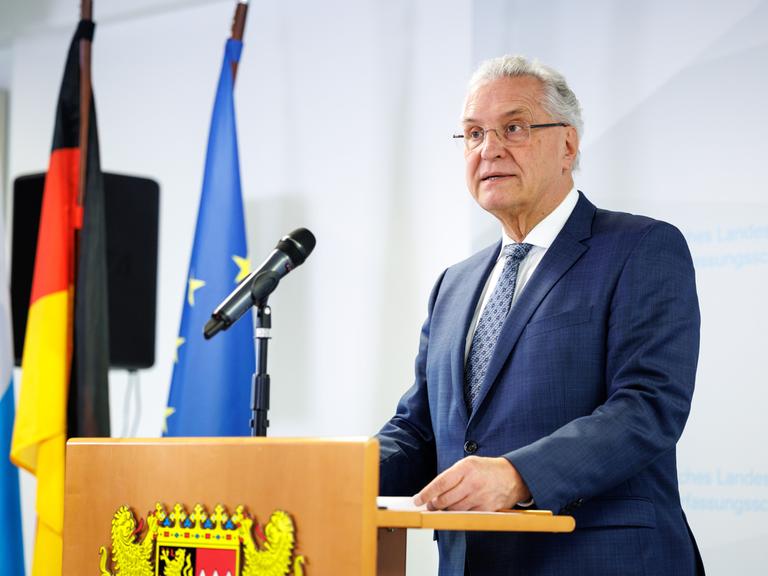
(329, 488)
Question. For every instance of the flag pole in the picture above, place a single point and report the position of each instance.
(86, 13)
(238, 27)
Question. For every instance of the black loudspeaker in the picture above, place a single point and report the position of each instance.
(132, 210)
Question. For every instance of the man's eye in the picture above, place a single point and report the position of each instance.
(475, 134)
(514, 128)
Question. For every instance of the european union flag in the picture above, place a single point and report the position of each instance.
(210, 388)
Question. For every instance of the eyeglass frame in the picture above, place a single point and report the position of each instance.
(504, 138)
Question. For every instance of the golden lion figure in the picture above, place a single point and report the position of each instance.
(274, 558)
(129, 558)
(177, 566)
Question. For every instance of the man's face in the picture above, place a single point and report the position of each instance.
(510, 180)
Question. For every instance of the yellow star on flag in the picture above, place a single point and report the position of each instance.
(168, 413)
(243, 267)
(194, 284)
(179, 342)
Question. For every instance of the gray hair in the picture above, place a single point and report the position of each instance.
(558, 99)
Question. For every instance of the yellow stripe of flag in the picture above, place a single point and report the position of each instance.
(40, 428)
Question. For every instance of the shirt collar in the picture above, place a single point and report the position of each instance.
(545, 232)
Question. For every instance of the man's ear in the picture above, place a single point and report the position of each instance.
(571, 148)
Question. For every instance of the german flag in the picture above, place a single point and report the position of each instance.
(64, 380)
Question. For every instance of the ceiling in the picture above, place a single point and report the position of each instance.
(22, 17)
(19, 17)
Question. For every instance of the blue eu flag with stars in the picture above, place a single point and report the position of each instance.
(210, 388)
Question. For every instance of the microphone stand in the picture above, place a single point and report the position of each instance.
(260, 381)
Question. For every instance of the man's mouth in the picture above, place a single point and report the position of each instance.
(494, 176)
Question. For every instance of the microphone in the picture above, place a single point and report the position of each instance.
(290, 252)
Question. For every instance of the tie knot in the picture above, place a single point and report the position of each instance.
(517, 252)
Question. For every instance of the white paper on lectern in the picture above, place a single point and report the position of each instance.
(402, 503)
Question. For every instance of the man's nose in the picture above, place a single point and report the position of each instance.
(492, 146)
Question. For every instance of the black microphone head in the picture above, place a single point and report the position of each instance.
(297, 245)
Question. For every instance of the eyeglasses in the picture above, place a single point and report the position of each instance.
(516, 133)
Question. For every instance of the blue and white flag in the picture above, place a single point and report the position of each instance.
(210, 388)
(11, 544)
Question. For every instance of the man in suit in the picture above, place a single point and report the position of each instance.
(556, 367)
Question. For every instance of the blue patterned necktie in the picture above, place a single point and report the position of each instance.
(490, 323)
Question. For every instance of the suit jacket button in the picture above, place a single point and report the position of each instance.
(470, 446)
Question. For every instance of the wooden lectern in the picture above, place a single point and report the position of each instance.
(328, 487)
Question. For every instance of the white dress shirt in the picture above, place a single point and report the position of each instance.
(541, 238)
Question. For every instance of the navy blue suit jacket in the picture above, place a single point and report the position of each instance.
(587, 393)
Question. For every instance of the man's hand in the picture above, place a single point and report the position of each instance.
(475, 483)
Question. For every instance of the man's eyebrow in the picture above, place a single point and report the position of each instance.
(510, 114)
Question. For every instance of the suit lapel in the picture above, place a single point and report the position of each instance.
(472, 284)
(561, 255)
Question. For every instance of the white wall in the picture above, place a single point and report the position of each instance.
(3, 140)
(345, 111)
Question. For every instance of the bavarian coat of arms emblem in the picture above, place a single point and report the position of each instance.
(199, 544)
